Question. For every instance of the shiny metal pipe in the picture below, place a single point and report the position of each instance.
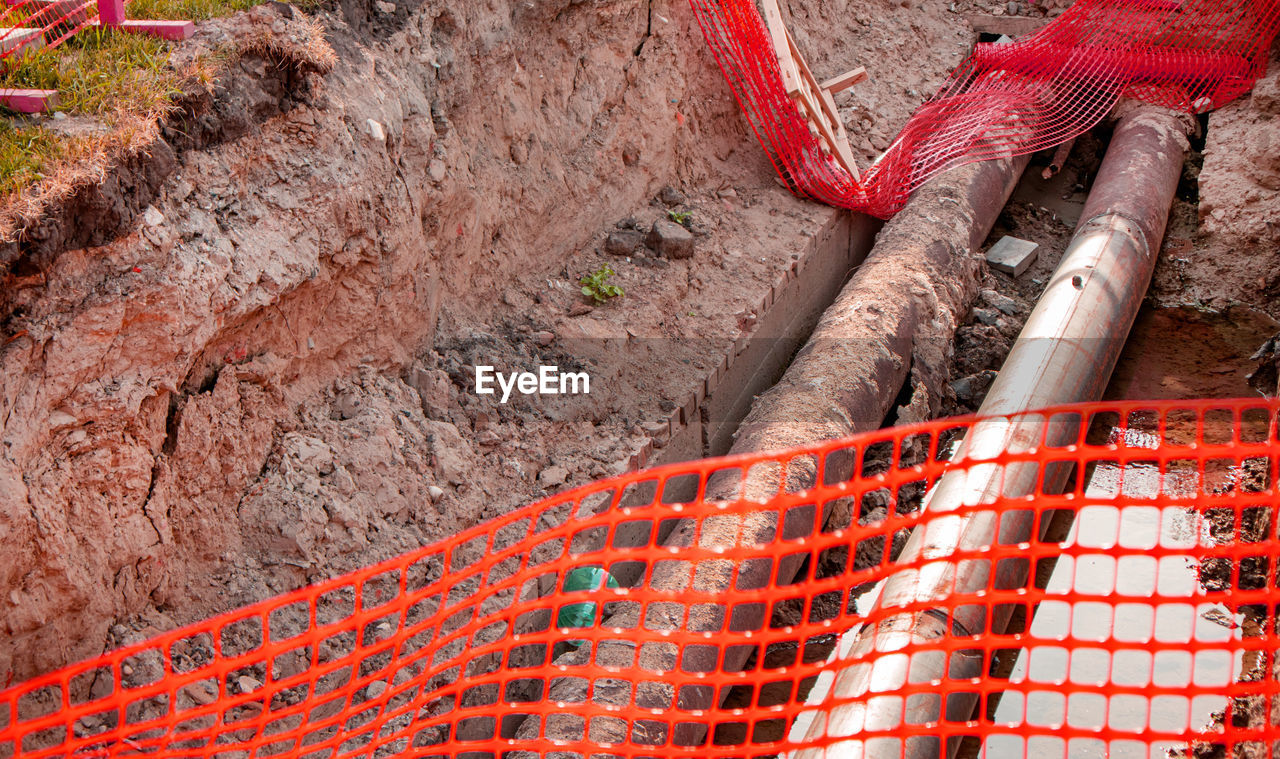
(1065, 353)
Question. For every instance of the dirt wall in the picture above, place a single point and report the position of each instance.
(257, 379)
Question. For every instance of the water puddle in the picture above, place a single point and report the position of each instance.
(1128, 626)
(1172, 353)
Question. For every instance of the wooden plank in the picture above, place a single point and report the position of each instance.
(843, 150)
(816, 104)
(29, 101)
(15, 39)
(845, 80)
(781, 43)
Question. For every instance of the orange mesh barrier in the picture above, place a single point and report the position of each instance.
(1151, 600)
(1033, 93)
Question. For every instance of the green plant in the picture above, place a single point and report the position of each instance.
(596, 285)
(680, 217)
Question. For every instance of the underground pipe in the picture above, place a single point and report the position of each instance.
(1059, 159)
(1065, 353)
(900, 306)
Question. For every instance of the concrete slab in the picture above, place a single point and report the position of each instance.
(169, 30)
(1012, 256)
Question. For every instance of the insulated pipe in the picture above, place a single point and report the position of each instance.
(1065, 354)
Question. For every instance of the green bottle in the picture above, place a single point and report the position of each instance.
(583, 578)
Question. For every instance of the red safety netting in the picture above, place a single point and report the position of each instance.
(29, 25)
(1149, 579)
(1018, 97)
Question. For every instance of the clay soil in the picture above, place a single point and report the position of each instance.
(252, 366)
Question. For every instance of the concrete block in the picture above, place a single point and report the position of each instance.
(1012, 256)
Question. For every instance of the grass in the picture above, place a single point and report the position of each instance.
(123, 81)
(102, 73)
(189, 10)
(25, 154)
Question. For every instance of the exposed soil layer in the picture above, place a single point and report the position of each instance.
(1223, 242)
(262, 374)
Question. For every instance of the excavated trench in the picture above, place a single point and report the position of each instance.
(318, 412)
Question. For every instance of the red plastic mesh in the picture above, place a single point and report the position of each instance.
(1154, 593)
(29, 25)
(1014, 98)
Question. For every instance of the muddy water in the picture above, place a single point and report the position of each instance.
(1178, 353)
(1135, 620)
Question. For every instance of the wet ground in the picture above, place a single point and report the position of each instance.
(1172, 353)
(1189, 353)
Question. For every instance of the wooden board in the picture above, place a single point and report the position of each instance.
(29, 101)
(20, 38)
(815, 102)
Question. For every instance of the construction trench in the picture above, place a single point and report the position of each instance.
(1090, 581)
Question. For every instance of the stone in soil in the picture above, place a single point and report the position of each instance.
(670, 196)
(553, 475)
(623, 242)
(670, 239)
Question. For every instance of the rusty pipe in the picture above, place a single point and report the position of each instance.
(843, 381)
(1059, 159)
(1065, 353)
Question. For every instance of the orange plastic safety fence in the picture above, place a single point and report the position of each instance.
(1014, 98)
(1141, 615)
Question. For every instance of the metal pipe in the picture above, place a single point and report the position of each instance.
(1059, 159)
(1065, 353)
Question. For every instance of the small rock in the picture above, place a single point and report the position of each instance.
(986, 316)
(553, 475)
(59, 115)
(629, 223)
(375, 130)
(670, 239)
(248, 684)
(436, 492)
(376, 688)
(580, 309)
(519, 153)
(152, 217)
(436, 170)
(630, 154)
(999, 301)
(348, 405)
(1012, 255)
(623, 242)
(728, 192)
(670, 196)
(1012, 9)
(544, 337)
(387, 8)
(202, 694)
